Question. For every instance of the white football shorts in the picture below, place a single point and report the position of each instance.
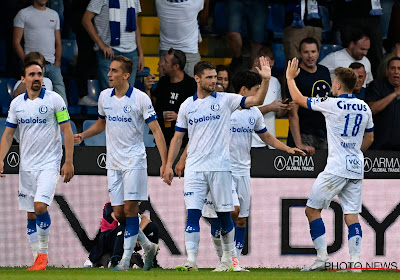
(199, 183)
(36, 186)
(125, 185)
(326, 186)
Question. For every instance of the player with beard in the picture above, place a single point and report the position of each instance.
(39, 114)
(206, 117)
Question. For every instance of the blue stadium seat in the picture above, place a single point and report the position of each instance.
(145, 72)
(326, 23)
(2, 126)
(10, 86)
(74, 131)
(93, 93)
(327, 49)
(280, 61)
(3, 56)
(148, 138)
(98, 140)
(73, 98)
(69, 52)
(5, 98)
(276, 19)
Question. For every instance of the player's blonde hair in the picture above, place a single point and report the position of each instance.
(347, 77)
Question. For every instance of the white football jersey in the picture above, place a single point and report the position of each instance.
(125, 118)
(39, 131)
(347, 118)
(207, 122)
(243, 124)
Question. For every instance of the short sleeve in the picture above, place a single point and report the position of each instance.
(370, 123)
(60, 109)
(95, 6)
(12, 120)
(19, 20)
(58, 21)
(138, 8)
(148, 112)
(320, 104)
(235, 101)
(182, 122)
(259, 126)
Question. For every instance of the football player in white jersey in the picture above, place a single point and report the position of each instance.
(206, 118)
(243, 123)
(39, 114)
(349, 128)
(123, 112)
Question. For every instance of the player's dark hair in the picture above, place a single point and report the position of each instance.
(30, 64)
(356, 65)
(309, 40)
(265, 52)
(246, 79)
(348, 78)
(392, 59)
(178, 57)
(201, 66)
(126, 63)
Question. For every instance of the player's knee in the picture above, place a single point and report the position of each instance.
(40, 207)
(312, 213)
(241, 222)
(193, 219)
(235, 213)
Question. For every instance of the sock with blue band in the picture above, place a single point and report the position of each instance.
(130, 238)
(33, 239)
(355, 238)
(216, 236)
(192, 234)
(43, 223)
(240, 233)
(227, 236)
(317, 231)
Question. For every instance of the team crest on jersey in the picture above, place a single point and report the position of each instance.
(150, 106)
(252, 120)
(215, 107)
(43, 109)
(127, 109)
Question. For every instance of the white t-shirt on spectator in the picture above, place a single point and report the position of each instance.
(39, 27)
(343, 59)
(102, 24)
(274, 92)
(178, 24)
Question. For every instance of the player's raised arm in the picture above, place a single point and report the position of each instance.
(98, 127)
(5, 144)
(291, 72)
(160, 142)
(174, 147)
(265, 73)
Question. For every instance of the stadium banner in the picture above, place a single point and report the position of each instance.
(265, 163)
(278, 232)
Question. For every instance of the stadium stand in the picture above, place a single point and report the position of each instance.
(98, 140)
(2, 125)
(73, 98)
(3, 56)
(93, 93)
(5, 96)
(327, 49)
(74, 131)
(276, 19)
(69, 52)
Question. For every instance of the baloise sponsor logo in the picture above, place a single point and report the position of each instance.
(204, 119)
(118, 119)
(242, 129)
(294, 163)
(31, 120)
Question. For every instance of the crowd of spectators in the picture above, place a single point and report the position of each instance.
(106, 28)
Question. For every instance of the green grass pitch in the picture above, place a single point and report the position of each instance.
(53, 273)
